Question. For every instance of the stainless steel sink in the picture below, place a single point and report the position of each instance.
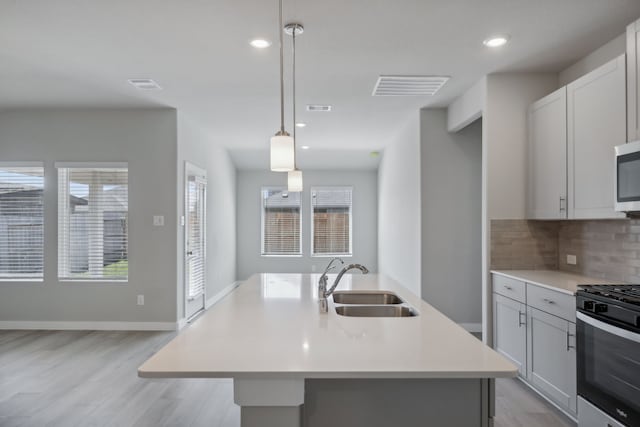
(376, 311)
(366, 297)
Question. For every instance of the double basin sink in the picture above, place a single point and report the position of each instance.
(371, 304)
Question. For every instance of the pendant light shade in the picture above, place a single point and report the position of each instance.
(294, 181)
(282, 153)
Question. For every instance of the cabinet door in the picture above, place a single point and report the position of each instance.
(633, 82)
(547, 189)
(510, 331)
(596, 124)
(551, 361)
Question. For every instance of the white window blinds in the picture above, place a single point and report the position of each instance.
(21, 222)
(93, 206)
(280, 222)
(196, 236)
(331, 220)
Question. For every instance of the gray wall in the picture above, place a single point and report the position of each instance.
(146, 139)
(365, 220)
(399, 207)
(451, 186)
(202, 150)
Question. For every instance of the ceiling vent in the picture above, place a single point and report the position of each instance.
(318, 107)
(409, 85)
(145, 84)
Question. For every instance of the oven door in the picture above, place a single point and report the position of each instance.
(609, 368)
(627, 182)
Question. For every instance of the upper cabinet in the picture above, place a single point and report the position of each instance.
(596, 123)
(633, 80)
(548, 157)
(572, 133)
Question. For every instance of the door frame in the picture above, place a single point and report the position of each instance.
(191, 169)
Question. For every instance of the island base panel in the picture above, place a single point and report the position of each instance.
(395, 402)
(271, 416)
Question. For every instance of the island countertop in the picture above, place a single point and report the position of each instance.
(270, 327)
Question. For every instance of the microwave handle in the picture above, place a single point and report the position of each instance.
(619, 332)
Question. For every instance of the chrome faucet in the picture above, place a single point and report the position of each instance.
(323, 293)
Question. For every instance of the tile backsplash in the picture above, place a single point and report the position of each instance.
(607, 249)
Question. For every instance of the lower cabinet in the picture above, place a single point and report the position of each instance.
(510, 331)
(551, 357)
(535, 329)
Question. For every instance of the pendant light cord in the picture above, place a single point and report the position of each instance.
(280, 31)
(294, 97)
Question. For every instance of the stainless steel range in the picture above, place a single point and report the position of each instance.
(608, 353)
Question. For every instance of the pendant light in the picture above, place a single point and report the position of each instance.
(294, 177)
(282, 145)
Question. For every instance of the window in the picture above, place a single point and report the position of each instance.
(21, 221)
(331, 225)
(280, 222)
(93, 221)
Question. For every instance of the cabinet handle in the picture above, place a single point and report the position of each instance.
(562, 204)
(569, 336)
(520, 322)
(509, 288)
(548, 301)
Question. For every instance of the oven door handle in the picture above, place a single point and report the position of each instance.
(614, 330)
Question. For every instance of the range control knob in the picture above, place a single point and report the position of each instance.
(587, 305)
(600, 308)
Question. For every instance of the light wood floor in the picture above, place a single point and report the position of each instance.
(82, 378)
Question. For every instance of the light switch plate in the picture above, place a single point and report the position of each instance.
(158, 220)
(572, 259)
(140, 299)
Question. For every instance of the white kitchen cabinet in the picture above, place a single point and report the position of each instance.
(551, 358)
(633, 81)
(572, 133)
(548, 157)
(596, 124)
(510, 331)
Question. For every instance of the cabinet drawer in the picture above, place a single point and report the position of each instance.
(512, 288)
(556, 303)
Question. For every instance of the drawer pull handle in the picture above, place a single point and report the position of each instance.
(509, 288)
(549, 301)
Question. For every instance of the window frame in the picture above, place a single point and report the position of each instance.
(30, 164)
(311, 236)
(90, 165)
(262, 224)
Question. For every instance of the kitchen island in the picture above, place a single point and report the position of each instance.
(294, 366)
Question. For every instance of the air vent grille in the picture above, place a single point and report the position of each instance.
(409, 85)
(145, 84)
(316, 107)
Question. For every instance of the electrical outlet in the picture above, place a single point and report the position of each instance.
(158, 220)
(572, 259)
(140, 299)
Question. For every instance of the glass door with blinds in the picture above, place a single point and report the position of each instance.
(195, 242)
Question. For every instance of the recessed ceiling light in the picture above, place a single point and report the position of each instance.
(260, 43)
(496, 41)
(301, 125)
(145, 84)
(305, 147)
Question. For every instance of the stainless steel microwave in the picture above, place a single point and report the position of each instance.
(627, 182)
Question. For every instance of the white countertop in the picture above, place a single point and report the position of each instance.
(270, 327)
(556, 280)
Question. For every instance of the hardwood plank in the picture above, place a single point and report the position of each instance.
(89, 378)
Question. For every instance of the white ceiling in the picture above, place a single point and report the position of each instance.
(80, 53)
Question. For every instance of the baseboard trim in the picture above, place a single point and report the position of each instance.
(90, 326)
(223, 293)
(472, 327)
